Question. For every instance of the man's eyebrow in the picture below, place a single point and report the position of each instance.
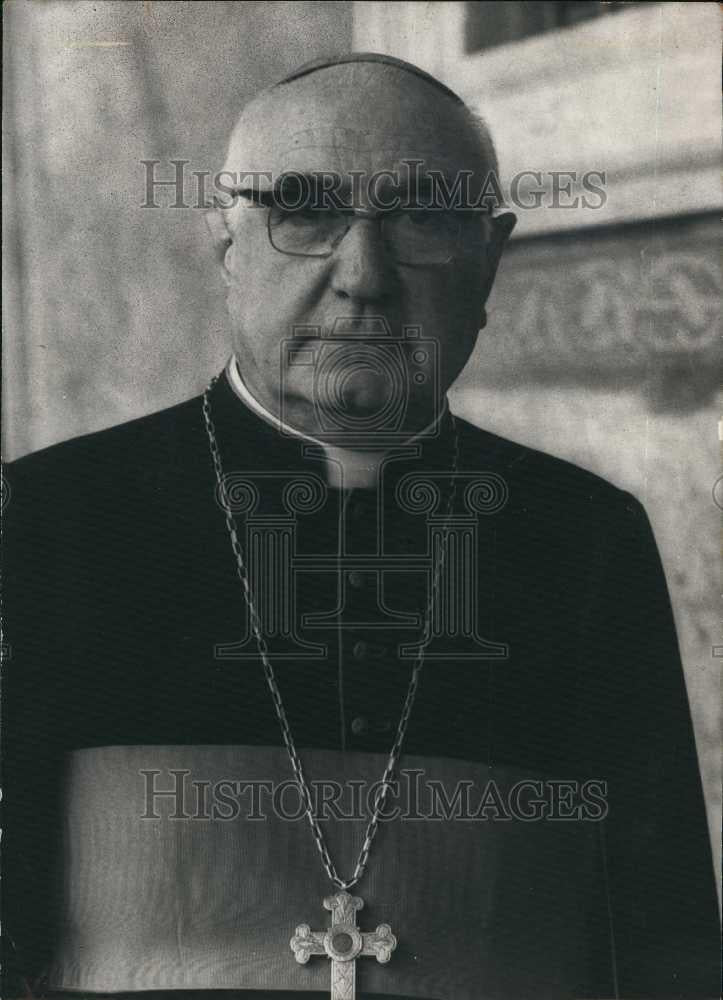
(300, 189)
(263, 199)
(256, 194)
(296, 178)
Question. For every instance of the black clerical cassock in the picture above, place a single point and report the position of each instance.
(556, 662)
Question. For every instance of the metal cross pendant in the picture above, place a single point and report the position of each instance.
(343, 943)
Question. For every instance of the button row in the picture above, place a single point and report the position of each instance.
(360, 726)
(368, 650)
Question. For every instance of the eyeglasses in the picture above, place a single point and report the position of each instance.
(417, 236)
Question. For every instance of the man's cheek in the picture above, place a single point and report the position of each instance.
(465, 296)
(437, 301)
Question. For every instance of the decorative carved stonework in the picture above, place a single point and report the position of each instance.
(638, 308)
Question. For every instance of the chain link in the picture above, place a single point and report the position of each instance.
(270, 676)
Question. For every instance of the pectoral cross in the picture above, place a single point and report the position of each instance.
(343, 943)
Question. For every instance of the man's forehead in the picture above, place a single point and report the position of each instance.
(352, 117)
(330, 150)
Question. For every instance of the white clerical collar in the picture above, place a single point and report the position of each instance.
(345, 467)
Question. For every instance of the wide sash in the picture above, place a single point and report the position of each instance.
(202, 888)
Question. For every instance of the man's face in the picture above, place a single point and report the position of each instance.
(351, 121)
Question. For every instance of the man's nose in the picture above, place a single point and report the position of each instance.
(363, 269)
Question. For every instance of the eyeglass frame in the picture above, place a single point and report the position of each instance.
(370, 214)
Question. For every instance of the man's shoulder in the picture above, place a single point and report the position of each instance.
(125, 454)
(535, 479)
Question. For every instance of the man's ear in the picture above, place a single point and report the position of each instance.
(501, 227)
(219, 233)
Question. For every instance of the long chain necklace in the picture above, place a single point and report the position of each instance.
(342, 942)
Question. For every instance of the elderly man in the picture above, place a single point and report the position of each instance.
(316, 577)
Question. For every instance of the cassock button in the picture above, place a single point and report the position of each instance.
(356, 578)
(360, 650)
(360, 725)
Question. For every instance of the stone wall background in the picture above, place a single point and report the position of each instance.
(601, 347)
